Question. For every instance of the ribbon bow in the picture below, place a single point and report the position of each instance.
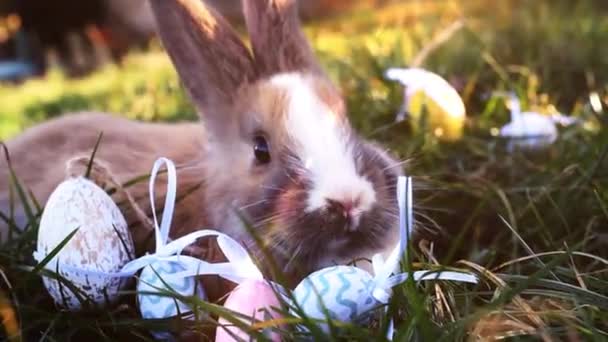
(239, 265)
(385, 279)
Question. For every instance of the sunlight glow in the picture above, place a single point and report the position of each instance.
(438, 132)
(13, 22)
(3, 34)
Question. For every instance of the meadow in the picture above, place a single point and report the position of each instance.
(532, 224)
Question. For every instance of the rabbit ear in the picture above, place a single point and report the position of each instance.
(278, 42)
(211, 60)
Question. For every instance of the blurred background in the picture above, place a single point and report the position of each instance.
(81, 35)
(70, 55)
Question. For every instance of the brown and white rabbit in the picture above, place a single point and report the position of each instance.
(275, 143)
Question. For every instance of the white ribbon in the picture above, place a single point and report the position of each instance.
(383, 269)
(384, 280)
(239, 265)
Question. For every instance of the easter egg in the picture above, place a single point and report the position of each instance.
(429, 98)
(528, 130)
(158, 277)
(253, 298)
(445, 124)
(101, 245)
(345, 292)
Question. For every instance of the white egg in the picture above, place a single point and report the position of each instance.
(345, 293)
(102, 244)
(159, 277)
(528, 129)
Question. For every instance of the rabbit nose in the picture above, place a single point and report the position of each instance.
(341, 213)
(340, 207)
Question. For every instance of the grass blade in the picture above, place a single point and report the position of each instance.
(91, 160)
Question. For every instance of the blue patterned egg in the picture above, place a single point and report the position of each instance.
(155, 278)
(344, 291)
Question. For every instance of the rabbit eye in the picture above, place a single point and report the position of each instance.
(261, 149)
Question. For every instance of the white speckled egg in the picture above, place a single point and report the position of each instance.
(102, 245)
(158, 277)
(344, 291)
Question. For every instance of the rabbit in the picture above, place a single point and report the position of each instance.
(274, 150)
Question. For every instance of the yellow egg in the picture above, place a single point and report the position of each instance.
(444, 124)
(432, 101)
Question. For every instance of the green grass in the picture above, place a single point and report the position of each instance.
(532, 224)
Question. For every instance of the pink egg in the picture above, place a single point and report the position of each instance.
(253, 298)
